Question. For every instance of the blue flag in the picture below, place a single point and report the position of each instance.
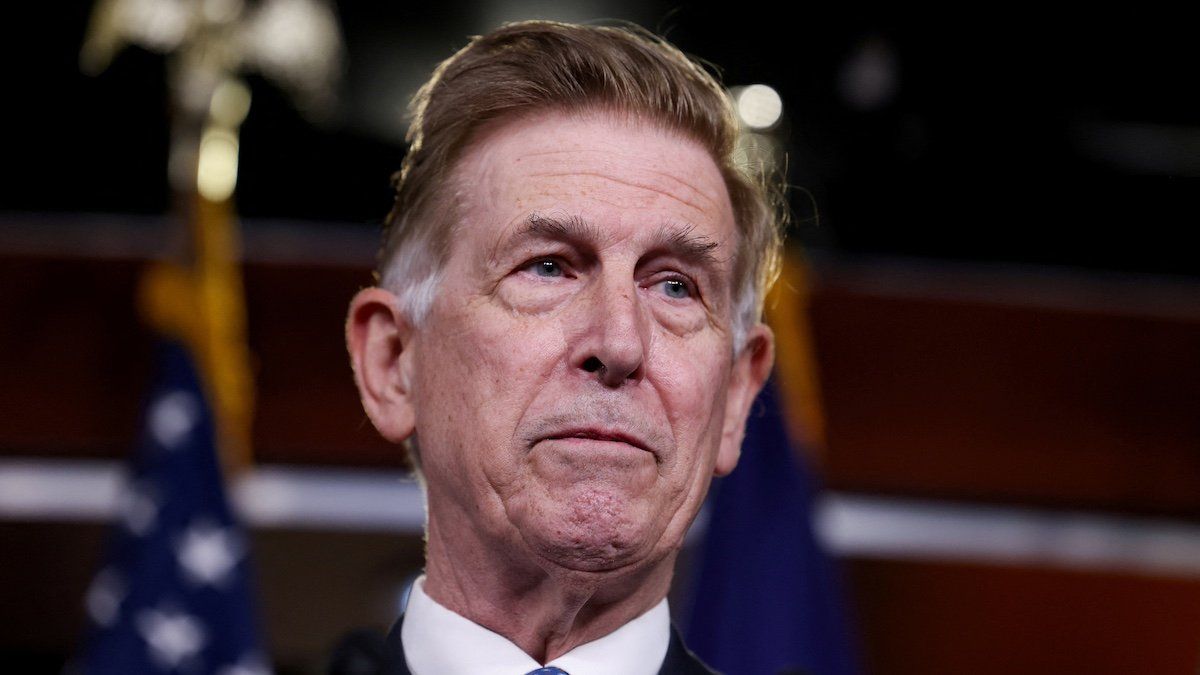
(174, 595)
(767, 600)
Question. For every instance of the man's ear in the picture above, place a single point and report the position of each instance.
(751, 368)
(378, 337)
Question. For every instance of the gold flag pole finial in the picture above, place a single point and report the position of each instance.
(199, 298)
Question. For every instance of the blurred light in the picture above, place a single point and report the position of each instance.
(759, 106)
(222, 11)
(216, 170)
(156, 25)
(870, 76)
(1140, 148)
(290, 32)
(159, 26)
(298, 44)
(230, 103)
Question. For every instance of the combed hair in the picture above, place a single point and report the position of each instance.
(540, 65)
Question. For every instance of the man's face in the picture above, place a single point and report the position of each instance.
(574, 384)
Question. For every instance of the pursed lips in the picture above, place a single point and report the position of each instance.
(590, 434)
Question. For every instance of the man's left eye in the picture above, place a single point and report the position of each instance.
(545, 267)
(675, 288)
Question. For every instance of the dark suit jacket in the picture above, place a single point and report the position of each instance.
(679, 660)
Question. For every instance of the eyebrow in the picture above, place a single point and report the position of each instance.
(683, 241)
(573, 229)
(680, 240)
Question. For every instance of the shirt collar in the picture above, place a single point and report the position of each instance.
(437, 641)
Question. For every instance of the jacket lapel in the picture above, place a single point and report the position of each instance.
(393, 653)
(681, 661)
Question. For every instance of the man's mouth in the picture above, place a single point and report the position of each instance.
(600, 435)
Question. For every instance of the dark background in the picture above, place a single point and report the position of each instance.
(1027, 135)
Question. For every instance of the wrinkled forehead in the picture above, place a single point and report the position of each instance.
(616, 167)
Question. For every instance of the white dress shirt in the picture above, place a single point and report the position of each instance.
(438, 641)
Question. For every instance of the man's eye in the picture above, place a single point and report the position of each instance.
(676, 288)
(545, 268)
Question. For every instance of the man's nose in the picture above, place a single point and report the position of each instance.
(613, 347)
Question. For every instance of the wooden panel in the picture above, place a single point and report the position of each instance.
(42, 588)
(923, 618)
(308, 409)
(76, 361)
(952, 398)
(74, 357)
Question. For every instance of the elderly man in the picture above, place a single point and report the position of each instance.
(566, 332)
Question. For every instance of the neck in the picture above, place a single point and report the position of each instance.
(545, 609)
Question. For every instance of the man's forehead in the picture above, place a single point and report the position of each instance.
(592, 169)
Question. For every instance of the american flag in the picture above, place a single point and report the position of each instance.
(175, 594)
(768, 599)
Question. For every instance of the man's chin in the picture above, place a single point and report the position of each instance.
(594, 557)
(596, 535)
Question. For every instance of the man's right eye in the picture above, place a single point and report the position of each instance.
(545, 268)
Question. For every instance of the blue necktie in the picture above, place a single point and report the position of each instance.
(549, 670)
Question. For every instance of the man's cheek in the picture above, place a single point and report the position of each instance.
(518, 345)
(701, 398)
